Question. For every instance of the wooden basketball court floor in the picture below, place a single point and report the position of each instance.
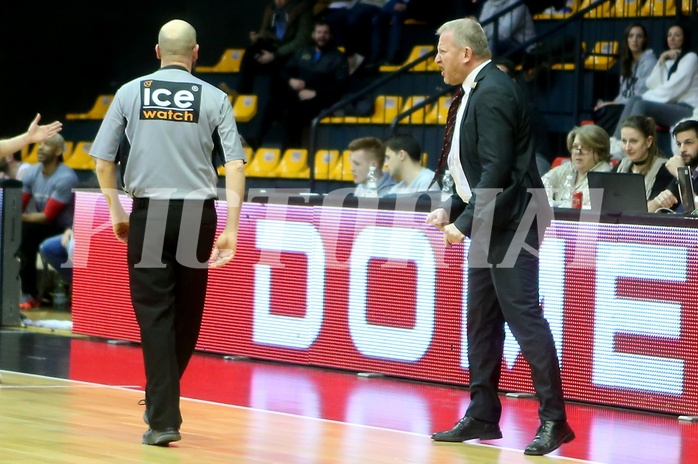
(67, 399)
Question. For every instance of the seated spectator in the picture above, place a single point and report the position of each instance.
(35, 134)
(12, 166)
(314, 78)
(642, 155)
(285, 29)
(386, 33)
(686, 136)
(58, 252)
(364, 153)
(403, 158)
(50, 184)
(673, 88)
(636, 64)
(589, 151)
(351, 23)
(513, 29)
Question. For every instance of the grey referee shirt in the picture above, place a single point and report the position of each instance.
(167, 128)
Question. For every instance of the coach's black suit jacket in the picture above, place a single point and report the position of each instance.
(497, 151)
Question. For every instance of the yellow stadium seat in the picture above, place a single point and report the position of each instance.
(439, 112)
(627, 8)
(325, 162)
(245, 107)
(98, 110)
(417, 52)
(24, 152)
(658, 8)
(293, 164)
(603, 56)
(387, 108)
(342, 170)
(418, 116)
(229, 62)
(602, 11)
(567, 66)
(81, 159)
(688, 7)
(264, 162)
(573, 8)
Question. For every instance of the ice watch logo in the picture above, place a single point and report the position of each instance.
(170, 101)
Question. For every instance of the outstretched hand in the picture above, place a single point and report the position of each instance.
(38, 134)
(223, 249)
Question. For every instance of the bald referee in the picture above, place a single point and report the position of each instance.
(167, 128)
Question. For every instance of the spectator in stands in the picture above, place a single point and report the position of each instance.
(636, 64)
(351, 23)
(513, 29)
(50, 185)
(285, 29)
(386, 32)
(673, 88)
(589, 151)
(35, 134)
(314, 78)
(12, 166)
(364, 153)
(642, 155)
(686, 137)
(403, 159)
(58, 251)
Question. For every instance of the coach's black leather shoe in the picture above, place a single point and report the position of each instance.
(550, 435)
(161, 437)
(469, 428)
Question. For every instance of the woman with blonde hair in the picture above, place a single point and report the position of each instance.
(589, 148)
(641, 155)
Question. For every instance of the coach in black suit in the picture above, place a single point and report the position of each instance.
(493, 162)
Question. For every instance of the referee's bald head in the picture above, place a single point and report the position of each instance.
(177, 38)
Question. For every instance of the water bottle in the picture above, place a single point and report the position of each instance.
(446, 186)
(59, 296)
(565, 197)
(371, 183)
(549, 191)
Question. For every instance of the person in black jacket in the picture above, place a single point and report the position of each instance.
(314, 78)
(686, 137)
(285, 29)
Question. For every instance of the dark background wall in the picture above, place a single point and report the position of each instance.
(57, 57)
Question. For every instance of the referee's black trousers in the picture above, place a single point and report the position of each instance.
(169, 243)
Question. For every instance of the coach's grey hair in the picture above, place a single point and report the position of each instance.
(468, 33)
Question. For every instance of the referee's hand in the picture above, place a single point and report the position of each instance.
(223, 249)
(121, 231)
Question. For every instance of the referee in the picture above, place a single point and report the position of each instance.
(165, 130)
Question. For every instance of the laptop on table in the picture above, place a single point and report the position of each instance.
(623, 192)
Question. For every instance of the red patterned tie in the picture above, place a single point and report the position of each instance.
(448, 135)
